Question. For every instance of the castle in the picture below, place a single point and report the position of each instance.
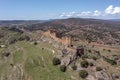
(57, 37)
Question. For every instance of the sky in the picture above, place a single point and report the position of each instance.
(58, 9)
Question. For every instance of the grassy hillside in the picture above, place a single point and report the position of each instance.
(35, 62)
(28, 61)
(10, 35)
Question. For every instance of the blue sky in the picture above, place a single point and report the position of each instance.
(52, 9)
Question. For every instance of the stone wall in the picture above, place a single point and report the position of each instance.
(53, 34)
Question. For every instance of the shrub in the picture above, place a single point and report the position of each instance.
(63, 68)
(35, 43)
(91, 64)
(104, 49)
(84, 64)
(56, 61)
(112, 62)
(98, 68)
(94, 58)
(97, 52)
(84, 56)
(74, 67)
(89, 51)
(109, 50)
(83, 73)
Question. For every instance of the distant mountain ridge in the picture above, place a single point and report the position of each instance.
(115, 19)
(95, 30)
(19, 22)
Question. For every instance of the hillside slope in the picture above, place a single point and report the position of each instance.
(27, 55)
(92, 30)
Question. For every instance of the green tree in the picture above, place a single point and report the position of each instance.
(83, 73)
(63, 68)
(98, 68)
(84, 64)
(56, 61)
(74, 67)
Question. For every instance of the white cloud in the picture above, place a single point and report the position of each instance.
(112, 10)
(70, 14)
(109, 9)
(85, 13)
(108, 12)
(116, 10)
(76, 14)
(97, 13)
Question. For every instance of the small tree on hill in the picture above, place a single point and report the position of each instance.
(74, 67)
(63, 68)
(35, 43)
(98, 68)
(91, 64)
(83, 73)
(84, 64)
(56, 61)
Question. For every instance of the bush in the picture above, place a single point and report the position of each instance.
(94, 58)
(84, 56)
(89, 51)
(84, 64)
(91, 64)
(56, 61)
(98, 68)
(35, 43)
(74, 67)
(109, 50)
(112, 62)
(100, 79)
(83, 73)
(104, 49)
(63, 68)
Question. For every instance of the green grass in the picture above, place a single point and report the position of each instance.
(18, 57)
(38, 62)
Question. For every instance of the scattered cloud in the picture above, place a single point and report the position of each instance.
(87, 13)
(97, 13)
(109, 11)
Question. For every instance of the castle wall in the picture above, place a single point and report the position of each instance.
(64, 40)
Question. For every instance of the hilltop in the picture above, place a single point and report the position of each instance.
(91, 30)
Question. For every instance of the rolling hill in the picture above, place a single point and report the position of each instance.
(25, 54)
(92, 30)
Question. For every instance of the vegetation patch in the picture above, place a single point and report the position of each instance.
(112, 62)
(18, 57)
(83, 73)
(63, 68)
(56, 61)
(74, 67)
(84, 64)
(98, 68)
